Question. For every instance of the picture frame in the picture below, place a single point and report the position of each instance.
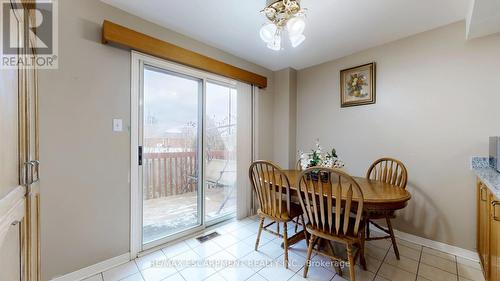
(358, 85)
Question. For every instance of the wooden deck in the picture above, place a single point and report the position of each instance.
(169, 214)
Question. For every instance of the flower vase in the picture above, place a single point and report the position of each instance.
(317, 176)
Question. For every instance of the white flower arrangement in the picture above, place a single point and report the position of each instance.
(319, 159)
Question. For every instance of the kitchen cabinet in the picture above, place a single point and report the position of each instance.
(494, 251)
(488, 232)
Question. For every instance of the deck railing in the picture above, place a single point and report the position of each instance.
(172, 173)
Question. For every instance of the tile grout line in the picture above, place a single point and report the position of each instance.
(209, 276)
(435, 267)
(456, 264)
(419, 261)
(177, 270)
(402, 269)
(382, 262)
(467, 266)
(140, 271)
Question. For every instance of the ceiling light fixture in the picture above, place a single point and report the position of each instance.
(285, 16)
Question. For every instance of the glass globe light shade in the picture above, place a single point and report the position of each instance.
(296, 26)
(297, 40)
(267, 32)
(275, 44)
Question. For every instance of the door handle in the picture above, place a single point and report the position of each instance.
(29, 172)
(494, 204)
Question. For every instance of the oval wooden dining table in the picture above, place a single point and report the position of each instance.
(378, 196)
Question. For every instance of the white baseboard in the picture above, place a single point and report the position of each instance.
(94, 269)
(443, 247)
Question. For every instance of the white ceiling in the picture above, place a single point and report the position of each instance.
(335, 28)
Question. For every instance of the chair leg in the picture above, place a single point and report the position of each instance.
(367, 228)
(309, 252)
(331, 247)
(391, 232)
(285, 243)
(304, 230)
(261, 226)
(362, 259)
(350, 257)
(297, 224)
(336, 264)
(278, 227)
(317, 244)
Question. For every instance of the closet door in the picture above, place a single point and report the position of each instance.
(31, 174)
(19, 168)
(13, 251)
(30, 154)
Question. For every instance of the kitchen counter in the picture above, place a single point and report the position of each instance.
(490, 178)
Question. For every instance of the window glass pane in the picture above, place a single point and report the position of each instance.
(221, 168)
(170, 153)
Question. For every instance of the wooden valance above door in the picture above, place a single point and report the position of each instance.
(114, 33)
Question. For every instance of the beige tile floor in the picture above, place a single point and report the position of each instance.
(231, 257)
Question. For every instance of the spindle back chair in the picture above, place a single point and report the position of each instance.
(273, 191)
(394, 172)
(388, 170)
(332, 214)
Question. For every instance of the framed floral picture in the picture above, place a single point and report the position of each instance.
(357, 85)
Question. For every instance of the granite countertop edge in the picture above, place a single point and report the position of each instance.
(490, 178)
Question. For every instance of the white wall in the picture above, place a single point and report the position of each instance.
(437, 103)
(284, 114)
(10, 257)
(85, 193)
(292, 117)
(265, 113)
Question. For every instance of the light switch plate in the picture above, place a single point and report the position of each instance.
(117, 125)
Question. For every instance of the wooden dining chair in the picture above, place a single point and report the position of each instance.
(273, 190)
(328, 207)
(298, 167)
(391, 171)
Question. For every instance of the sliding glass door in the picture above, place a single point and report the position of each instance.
(189, 145)
(220, 151)
(170, 153)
